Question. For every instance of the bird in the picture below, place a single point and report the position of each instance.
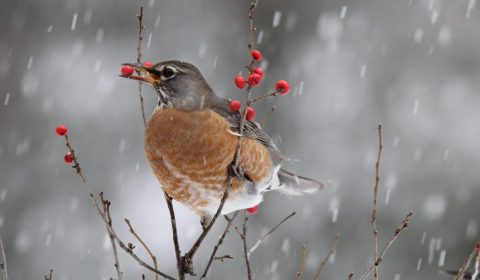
(191, 140)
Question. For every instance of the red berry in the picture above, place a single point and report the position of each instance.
(235, 105)
(478, 247)
(250, 114)
(254, 79)
(240, 82)
(259, 71)
(148, 64)
(61, 130)
(68, 158)
(257, 55)
(127, 70)
(253, 210)
(283, 86)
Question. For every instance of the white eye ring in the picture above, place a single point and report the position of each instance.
(168, 72)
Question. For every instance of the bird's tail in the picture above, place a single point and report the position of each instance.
(293, 184)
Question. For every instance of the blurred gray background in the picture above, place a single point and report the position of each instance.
(413, 65)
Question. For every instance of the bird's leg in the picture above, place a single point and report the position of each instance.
(236, 171)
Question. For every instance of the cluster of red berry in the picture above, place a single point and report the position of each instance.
(62, 130)
(282, 87)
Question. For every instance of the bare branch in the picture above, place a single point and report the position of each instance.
(403, 225)
(180, 265)
(106, 211)
(327, 257)
(3, 264)
(375, 197)
(102, 215)
(139, 59)
(275, 93)
(466, 263)
(220, 241)
(264, 120)
(154, 259)
(265, 236)
(302, 264)
(50, 275)
(243, 236)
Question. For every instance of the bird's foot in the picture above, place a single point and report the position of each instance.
(236, 171)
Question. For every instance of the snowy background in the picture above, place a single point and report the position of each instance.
(413, 65)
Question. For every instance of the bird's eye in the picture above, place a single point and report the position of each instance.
(168, 72)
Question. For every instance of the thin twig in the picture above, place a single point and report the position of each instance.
(265, 236)
(302, 264)
(243, 237)
(168, 200)
(264, 120)
(154, 259)
(476, 271)
(275, 93)
(180, 265)
(375, 197)
(223, 258)
(106, 211)
(139, 59)
(220, 241)
(50, 275)
(466, 263)
(96, 205)
(3, 263)
(403, 225)
(327, 257)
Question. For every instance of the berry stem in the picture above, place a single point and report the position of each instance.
(263, 96)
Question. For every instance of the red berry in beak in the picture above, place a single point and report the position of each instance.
(282, 86)
(240, 82)
(254, 79)
(61, 130)
(127, 70)
(253, 210)
(68, 158)
(257, 55)
(250, 114)
(235, 105)
(148, 64)
(259, 71)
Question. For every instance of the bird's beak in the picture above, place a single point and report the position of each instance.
(144, 74)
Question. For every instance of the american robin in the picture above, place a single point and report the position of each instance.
(191, 139)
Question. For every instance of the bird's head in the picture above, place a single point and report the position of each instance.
(178, 84)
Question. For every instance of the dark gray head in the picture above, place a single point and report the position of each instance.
(178, 84)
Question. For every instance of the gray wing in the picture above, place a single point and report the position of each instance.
(251, 130)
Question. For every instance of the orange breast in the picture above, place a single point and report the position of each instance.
(190, 152)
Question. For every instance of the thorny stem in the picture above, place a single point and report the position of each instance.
(96, 205)
(403, 225)
(327, 257)
(375, 197)
(106, 210)
(3, 264)
(220, 241)
(302, 264)
(152, 256)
